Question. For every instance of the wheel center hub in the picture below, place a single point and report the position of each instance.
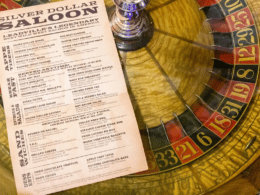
(132, 26)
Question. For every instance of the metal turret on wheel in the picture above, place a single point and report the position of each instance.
(131, 24)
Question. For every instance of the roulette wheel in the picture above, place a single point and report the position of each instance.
(194, 88)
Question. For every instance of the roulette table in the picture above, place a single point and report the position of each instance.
(194, 90)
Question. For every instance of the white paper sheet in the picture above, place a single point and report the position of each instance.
(69, 117)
